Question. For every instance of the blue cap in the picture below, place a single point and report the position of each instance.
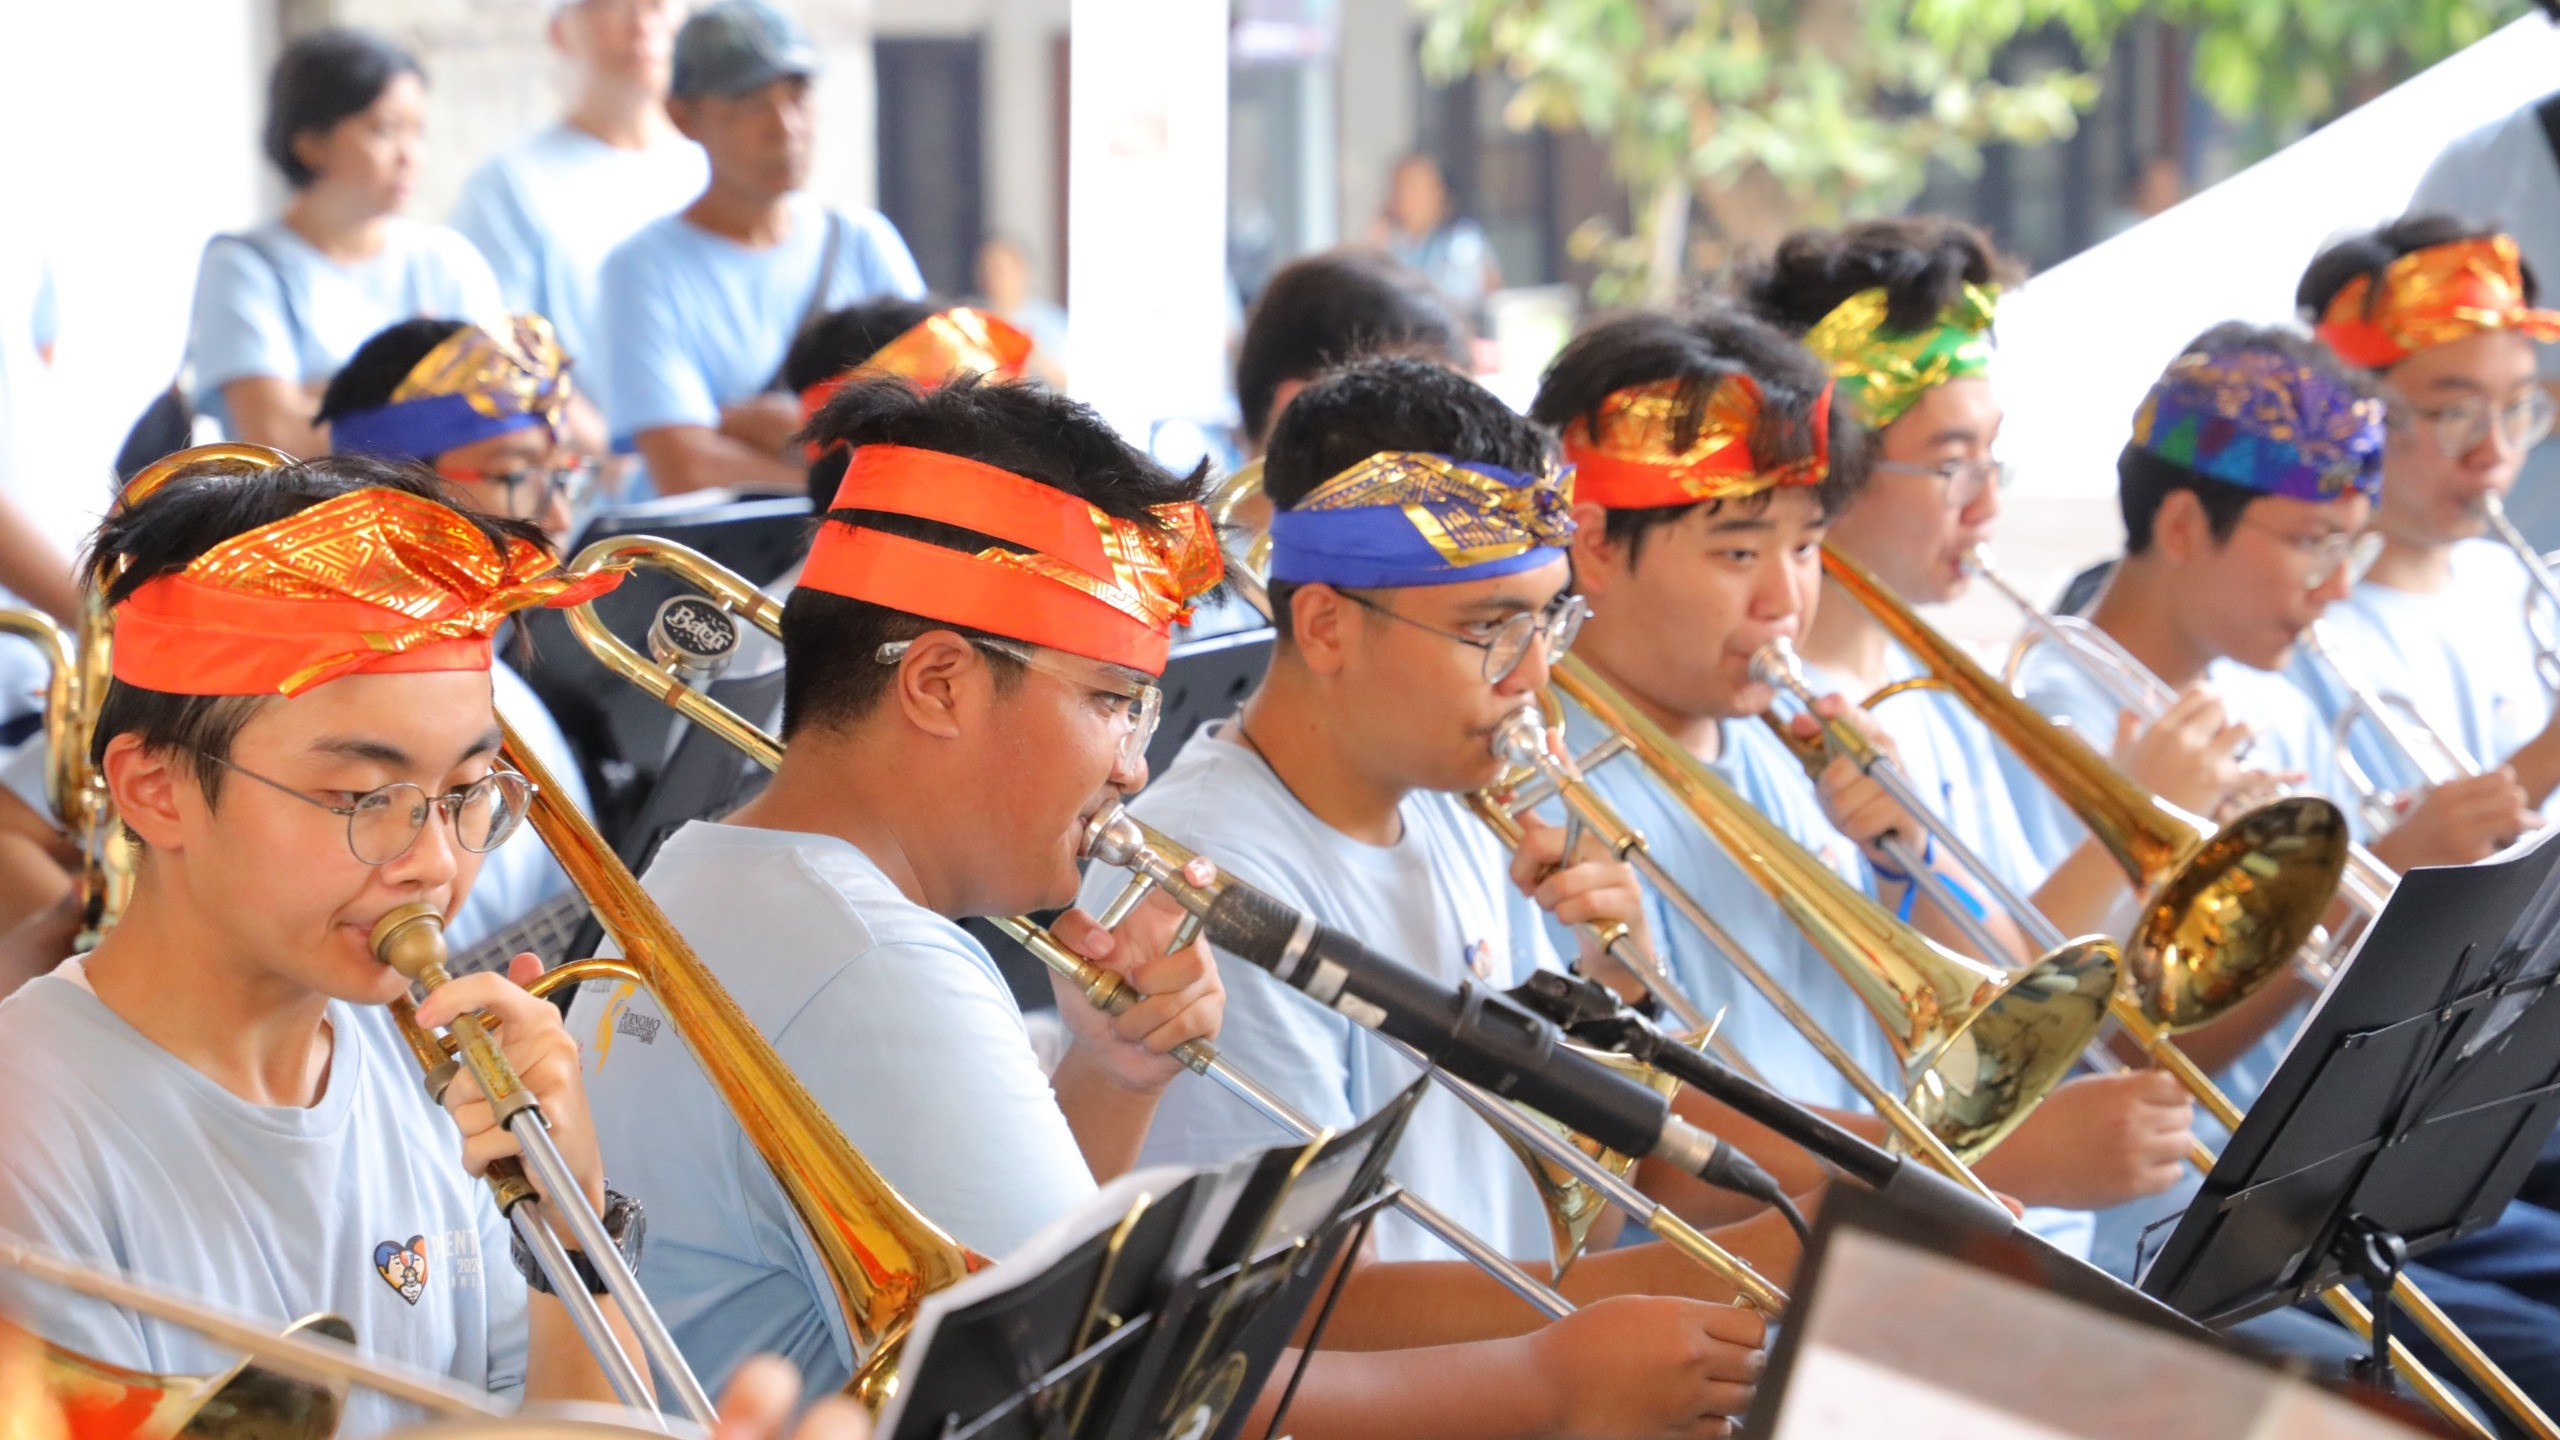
(738, 47)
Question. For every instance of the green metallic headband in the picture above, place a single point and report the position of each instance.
(1885, 373)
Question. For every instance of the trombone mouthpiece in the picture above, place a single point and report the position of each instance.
(1776, 664)
(410, 939)
(1978, 561)
(1521, 739)
(1111, 836)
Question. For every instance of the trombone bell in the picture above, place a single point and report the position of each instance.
(100, 1401)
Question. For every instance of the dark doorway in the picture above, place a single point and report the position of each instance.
(932, 159)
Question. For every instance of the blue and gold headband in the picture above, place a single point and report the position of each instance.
(2260, 419)
(477, 384)
(1408, 518)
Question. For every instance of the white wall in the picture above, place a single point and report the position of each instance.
(118, 173)
(1378, 103)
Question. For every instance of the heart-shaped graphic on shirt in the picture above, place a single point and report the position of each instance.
(403, 1267)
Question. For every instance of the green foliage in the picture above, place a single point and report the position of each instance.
(1826, 110)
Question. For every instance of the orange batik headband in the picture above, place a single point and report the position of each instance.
(2432, 297)
(1092, 584)
(372, 582)
(1632, 457)
(961, 341)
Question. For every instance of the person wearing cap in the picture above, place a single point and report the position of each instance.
(974, 651)
(700, 308)
(547, 209)
(485, 408)
(2442, 314)
(216, 1101)
(2254, 463)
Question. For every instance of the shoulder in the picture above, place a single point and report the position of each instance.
(2499, 144)
(649, 248)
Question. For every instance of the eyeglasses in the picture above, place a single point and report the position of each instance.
(2457, 429)
(548, 485)
(1509, 644)
(382, 824)
(2324, 555)
(1138, 716)
(1966, 481)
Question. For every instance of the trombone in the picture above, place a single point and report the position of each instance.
(2542, 589)
(2403, 731)
(2187, 976)
(662, 680)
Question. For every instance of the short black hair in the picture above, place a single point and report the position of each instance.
(830, 675)
(369, 377)
(1382, 403)
(1700, 349)
(1921, 262)
(1324, 310)
(2366, 255)
(836, 342)
(2145, 480)
(319, 81)
(200, 507)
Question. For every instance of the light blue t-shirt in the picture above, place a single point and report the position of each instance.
(690, 321)
(2462, 656)
(1439, 899)
(298, 318)
(2503, 174)
(546, 210)
(898, 1024)
(116, 1152)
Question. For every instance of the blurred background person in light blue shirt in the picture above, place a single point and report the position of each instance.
(279, 307)
(1420, 230)
(699, 308)
(547, 209)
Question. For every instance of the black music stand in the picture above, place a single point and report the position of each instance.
(1170, 1321)
(2409, 1109)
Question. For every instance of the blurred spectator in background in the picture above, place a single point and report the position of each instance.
(2159, 183)
(1417, 231)
(1324, 309)
(697, 310)
(1004, 286)
(548, 209)
(280, 307)
(2507, 174)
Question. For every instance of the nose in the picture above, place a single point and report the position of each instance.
(2336, 584)
(433, 860)
(1783, 588)
(1530, 675)
(1129, 774)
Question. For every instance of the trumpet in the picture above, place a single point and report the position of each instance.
(2542, 589)
(1570, 1212)
(2403, 731)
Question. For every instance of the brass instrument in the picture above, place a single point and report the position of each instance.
(2016, 722)
(1571, 1209)
(2224, 910)
(2395, 719)
(1247, 545)
(2542, 589)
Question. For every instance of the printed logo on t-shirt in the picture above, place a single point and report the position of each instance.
(403, 1267)
(1479, 956)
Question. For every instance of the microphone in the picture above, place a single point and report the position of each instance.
(1474, 1033)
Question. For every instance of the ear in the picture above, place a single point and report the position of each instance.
(2180, 533)
(681, 113)
(309, 147)
(1318, 618)
(1597, 559)
(933, 683)
(148, 787)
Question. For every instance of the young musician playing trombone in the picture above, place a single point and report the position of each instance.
(2441, 314)
(970, 671)
(300, 737)
(2252, 464)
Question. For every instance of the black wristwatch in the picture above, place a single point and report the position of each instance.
(624, 1222)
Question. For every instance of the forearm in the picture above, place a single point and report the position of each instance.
(2082, 893)
(269, 411)
(1491, 1390)
(558, 1364)
(2537, 766)
(35, 567)
(1702, 1204)
(1109, 1119)
(696, 457)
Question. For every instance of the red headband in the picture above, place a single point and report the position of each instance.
(1631, 459)
(377, 582)
(2433, 297)
(1093, 585)
(962, 341)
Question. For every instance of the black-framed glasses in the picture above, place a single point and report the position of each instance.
(1138, 718)
(1509, 644)
(383, 823)
(1964, 481)
(2324, 555)
(2457, 429)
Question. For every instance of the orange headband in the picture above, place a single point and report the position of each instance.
(1093, 585)
(376, 582)
(1631, 460)
(2433, 297)
(962, 341)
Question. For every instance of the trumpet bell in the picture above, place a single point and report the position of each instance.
(2234, 913)
(99, 1401)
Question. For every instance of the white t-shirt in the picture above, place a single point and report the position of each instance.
(1439, 899)
(546, 210)
(2503, 174)
(2462, 656)
(896, 1021)
(689, 321)
(114, 1151)
(297, 315)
